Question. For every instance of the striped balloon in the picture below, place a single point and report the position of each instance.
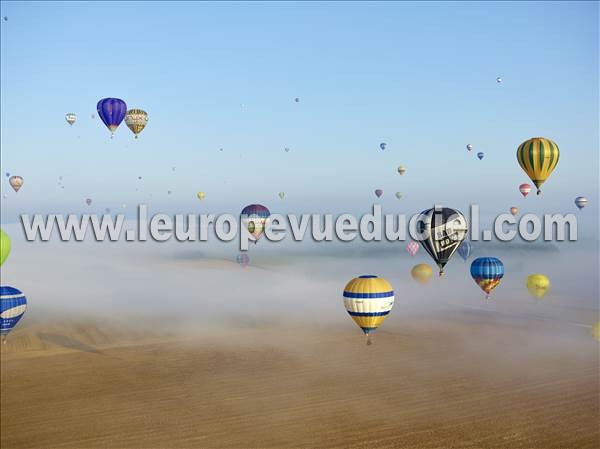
(487, 273)
(525, 189)
(112, 112)
(12, 307)
(243, 259)
(465, 249)
(581, 202)
(368, 300)
(538, 157)
(255, 218)
(412, 248)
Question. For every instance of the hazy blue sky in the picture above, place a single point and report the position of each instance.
(421, 77)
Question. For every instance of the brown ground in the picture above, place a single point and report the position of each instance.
(476, 383)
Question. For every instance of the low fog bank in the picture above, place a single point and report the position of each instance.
(201, 283)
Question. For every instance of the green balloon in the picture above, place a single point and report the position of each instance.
(4, 246)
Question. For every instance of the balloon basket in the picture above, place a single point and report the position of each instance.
(369, 340)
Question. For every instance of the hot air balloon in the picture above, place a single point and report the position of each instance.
(401, 169)
(281, 195)
(444, 229)
(16, 182)
(12, 307)
(88, 201)
(4, 246)
(7, 174)
(538, 285)
(378, 193)
(487, 273)
(499, 80)
(596, 331)
(124, 206)
(243, 259)
(136, 120)
(412, 248)
(70, 118)
(581, 202)
(469, 147)
(480, 155)
(368, 300)
(201, 196)
(514, 210)
(538, 157)
(465, 249)
(399, 195)
(112, 112)
(286, 149)
(297, 100)
(255, 218)
(524, 189)
(93, 116)
(382, 145)
(421, 273)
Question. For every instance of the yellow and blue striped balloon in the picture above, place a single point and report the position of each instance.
(538, 157)
(368, 299)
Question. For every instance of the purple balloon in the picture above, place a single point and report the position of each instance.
(378, 192)
(112, 112)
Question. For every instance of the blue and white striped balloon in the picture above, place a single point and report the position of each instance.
(12, 307)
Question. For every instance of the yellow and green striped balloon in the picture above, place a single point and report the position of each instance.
(538, 157)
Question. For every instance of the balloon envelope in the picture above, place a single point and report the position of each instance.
(255, 218)
(538, 285)
(368, 299)
(378, 193)
(70, 118)
(88, 201)
(596, 331)
(487, 273)
(243, 259)
(382, 145)
(136, 120)
(281, 195)
(469, 147)
(12, 307)
(421, 273)
(480, 155)
(401, 169)
(443, 230)
(112, 112)
(581, 202)
(412, 248)
(525, 189)
(538, 158)
(465, 249)
(16, 182)
(4, 246)
(399, 195)
(514, 210)
(201, 196)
